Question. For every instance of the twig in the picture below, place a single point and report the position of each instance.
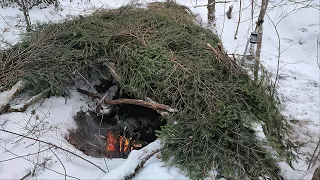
(23, 156)
(239, 18)
(38, 164)
(279, 55)
(141, 164)
(55, 146)
(25, 176)
(138, 102)
(64, 168)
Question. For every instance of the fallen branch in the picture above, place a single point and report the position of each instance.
(138, 102)
(141, 103)
(8, 96)
(141, 164)
(55, 146)
(23, 107)
(162, 113)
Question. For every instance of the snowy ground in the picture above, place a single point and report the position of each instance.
(298, 88)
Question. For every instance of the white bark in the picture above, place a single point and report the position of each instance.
(9, 95)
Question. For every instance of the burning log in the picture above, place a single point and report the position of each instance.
(119, 146)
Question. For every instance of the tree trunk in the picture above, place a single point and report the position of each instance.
(25, 10)
(264, 5)
(211, 12)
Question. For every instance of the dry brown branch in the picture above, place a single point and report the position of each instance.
(138, 102)
(162, 113)
(23, 107)
(141, 164)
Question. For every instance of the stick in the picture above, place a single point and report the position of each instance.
(141, 164)
(235, 35)
(4, 101)
(141, 103)
(138, 102)
(23, 107)
(25, 176)
(162, 113)
(55, 146)
(28, 159)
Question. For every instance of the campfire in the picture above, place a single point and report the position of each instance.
(114, 130)
(114, 144)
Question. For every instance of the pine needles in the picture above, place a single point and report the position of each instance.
(159, 52)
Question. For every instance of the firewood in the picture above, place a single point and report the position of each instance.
(155, 106)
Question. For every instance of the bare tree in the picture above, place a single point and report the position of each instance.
(26, 5)
(259, 30)
(25, 10)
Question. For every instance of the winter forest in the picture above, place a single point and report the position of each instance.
(145, 89)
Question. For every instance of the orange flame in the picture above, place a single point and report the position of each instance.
(112, 143)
